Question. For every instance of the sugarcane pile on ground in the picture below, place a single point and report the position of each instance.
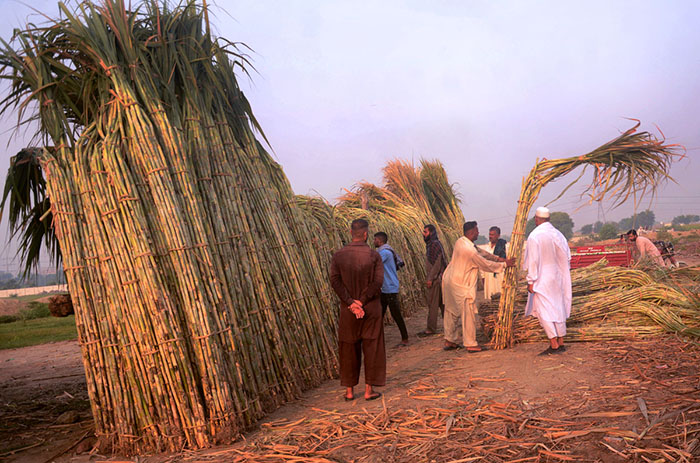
(201, 298)
(410, 198)
(616, 303)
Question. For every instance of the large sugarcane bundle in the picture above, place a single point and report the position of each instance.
(615, 303)
(200, 294)
(632, 165)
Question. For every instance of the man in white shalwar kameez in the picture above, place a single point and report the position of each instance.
(459, 289)
(547, 261)
(498, 247)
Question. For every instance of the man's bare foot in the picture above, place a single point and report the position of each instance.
(349, 394)
(370, 394)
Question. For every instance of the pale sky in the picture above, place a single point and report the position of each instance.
(486, 87)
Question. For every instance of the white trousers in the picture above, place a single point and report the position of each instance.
(553, 329)
(467, 331)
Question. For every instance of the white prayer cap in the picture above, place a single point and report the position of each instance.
(542, 212)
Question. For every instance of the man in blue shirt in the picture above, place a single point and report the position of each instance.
(390, 288)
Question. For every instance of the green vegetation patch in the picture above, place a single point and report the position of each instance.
(37, 331)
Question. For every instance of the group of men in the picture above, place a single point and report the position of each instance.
(366, 282)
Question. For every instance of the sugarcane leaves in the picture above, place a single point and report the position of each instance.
(634, 164)
(24, 196)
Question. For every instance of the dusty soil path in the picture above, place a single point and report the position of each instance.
(38, 385)
(513, 405)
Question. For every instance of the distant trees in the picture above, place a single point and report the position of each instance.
(685, 219)
(644, 219)
(608, 231)
(559, 220)
(587, 229)
(626, 224)
(597, 226)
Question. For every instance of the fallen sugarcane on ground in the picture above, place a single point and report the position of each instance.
(617, 303)
(644, 407)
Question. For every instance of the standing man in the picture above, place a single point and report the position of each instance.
(435, 264)
(645, 247)
(357, 274)
(459, 289)
(390, 289)
(547, 261)
(498, 247)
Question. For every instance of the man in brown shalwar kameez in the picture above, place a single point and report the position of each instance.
(357, 273)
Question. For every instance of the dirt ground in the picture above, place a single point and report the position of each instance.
(582, 405)
(12, 306)
(38, 385)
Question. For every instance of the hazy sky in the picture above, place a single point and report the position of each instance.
(486, 87)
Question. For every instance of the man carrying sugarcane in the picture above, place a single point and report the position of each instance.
(645, 247)
(547, 261)
(357, 274)
(435, 264)
(498, 247)
(459, 289)
(390, 288)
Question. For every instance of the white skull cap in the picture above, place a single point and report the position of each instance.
(542, 212)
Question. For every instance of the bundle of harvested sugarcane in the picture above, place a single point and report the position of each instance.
(615, 303)
(633, 164)
(201, 298)
(442, 196)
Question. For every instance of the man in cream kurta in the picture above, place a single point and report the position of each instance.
(459, 289)
(645, 248)
(498, 247)
(547, 261)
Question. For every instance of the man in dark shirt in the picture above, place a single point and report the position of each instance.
(435, 264)
(357, 274)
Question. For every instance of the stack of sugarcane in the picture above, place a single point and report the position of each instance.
(632, 165)
(411, 198)
(200, 288)
(615, 303)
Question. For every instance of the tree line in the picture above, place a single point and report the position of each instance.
(644, 219)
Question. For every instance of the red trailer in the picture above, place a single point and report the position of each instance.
(616, 254)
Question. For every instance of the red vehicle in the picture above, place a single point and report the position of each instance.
(616, 254)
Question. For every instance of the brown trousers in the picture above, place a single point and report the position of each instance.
(350, 359)
(434, 304)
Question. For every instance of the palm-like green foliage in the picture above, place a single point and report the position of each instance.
(29, 210)
(632, 165)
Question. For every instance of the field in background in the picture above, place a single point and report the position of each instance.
(35, 331)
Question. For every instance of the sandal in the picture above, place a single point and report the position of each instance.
(452, 347)
(348, 399)
(475, 349)
(426, 333)
(374, 396)
(549, 351)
